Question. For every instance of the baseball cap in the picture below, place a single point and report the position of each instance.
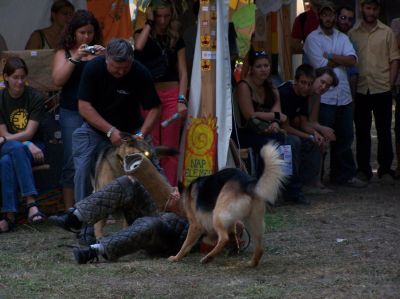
(377, 2)
(326, 5)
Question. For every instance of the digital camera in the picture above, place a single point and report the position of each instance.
(90, 49)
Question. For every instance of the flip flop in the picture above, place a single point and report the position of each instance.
(37, 214)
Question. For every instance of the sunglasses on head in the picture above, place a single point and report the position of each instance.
(260, 53)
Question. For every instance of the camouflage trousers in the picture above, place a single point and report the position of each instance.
(157, 233)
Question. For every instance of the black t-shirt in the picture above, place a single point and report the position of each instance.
(291, 104)
(118, 101)
(154, 48)
(16, 113)
(69, 92)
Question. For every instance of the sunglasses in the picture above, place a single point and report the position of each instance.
(346, 18)
(260, 53)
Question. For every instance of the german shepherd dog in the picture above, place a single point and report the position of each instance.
(214, 204)
(109, 164)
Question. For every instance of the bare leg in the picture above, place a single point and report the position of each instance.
(68, 197)
(4, 225)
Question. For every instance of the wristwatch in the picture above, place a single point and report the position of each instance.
(109, 132)
(139, 134)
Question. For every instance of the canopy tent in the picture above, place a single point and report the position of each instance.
(19, 18)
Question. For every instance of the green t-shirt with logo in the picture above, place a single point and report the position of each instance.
(15, 113)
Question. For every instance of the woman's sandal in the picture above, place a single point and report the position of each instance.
(37, 214)
(11, 224)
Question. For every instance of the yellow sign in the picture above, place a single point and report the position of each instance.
(201, 141)
(205, 41)
(205, 65)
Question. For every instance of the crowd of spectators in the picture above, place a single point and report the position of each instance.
(107, 90)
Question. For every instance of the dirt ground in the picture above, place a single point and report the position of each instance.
(345, 245)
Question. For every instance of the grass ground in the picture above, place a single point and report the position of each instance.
(345, 245)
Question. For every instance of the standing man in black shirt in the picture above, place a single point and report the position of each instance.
(112, 90)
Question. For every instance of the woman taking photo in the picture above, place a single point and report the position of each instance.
(159, 47)
(21, 110)
(80, 42)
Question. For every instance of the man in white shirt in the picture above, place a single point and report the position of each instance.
(326, 46)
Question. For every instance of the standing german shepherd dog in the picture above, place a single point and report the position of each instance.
(213, 204)
(109, 165)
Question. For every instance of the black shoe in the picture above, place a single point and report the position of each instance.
(84, 255)
(86, 235)
(67, 221)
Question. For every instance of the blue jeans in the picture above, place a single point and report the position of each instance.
(69, 122)
(310, 162)
(340, 118)
(87, 143)
(16, 174)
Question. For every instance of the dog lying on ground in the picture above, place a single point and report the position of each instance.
(109, 165)
(214, 204)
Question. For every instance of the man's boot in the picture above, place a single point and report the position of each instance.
(68, 221)
(84, 255)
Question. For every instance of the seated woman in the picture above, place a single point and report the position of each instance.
(21, 110)
(48, 38)
(259, 104)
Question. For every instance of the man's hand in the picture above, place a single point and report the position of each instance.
(173, 204)
(328, 133)
(318, 138)
(115, 137)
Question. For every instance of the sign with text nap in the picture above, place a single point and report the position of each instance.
(201, 146)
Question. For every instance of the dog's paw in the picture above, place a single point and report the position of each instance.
(173, 258)
(206, 259)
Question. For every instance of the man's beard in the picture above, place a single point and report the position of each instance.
(370, 19)
(343, 28)
(328, 28)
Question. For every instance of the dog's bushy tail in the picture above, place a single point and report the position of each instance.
(272, 178)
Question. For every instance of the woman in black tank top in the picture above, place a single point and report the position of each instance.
(69, 61)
